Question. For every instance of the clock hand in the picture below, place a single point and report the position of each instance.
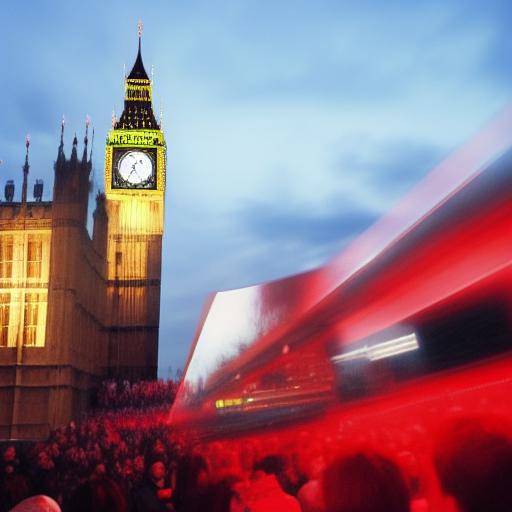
(134, 170)
(131, 172)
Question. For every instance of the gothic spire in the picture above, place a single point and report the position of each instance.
(74, 155)
(26, 168)
(86, 139)
(138, 111)
(62, 123)
(60, 154)
(92, 145)
(138, 72)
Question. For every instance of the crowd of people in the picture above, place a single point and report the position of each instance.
(130, 459)
(112, 445)
(142, 394)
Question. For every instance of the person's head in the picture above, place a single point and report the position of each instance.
(271, 465)
(139, 464)
(99, 470)
(54, 449)
(365, 482)
(127, 468)
(9, 454)
(284, 472)
(44, 461)
(157, 470)
(158, 447)
(473, 461)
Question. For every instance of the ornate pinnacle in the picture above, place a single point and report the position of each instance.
(60, 155)
(92, 145)
(26, 168)
(73, 158)
(86, 138)
(62, 124)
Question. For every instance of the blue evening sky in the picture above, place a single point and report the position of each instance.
(291, 124)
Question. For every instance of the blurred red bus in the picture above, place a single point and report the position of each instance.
(427, 318)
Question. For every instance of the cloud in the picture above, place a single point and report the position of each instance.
(386, 168)
(300, 224)
(291, 125)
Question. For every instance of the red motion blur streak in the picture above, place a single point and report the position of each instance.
(445, 248)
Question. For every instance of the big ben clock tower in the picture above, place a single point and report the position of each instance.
(134, 190)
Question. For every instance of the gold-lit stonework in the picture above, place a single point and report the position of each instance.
(24, 273)
(135, 210)
(76, 307)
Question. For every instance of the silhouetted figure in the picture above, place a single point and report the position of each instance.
(155, 494)
(45, 480)
(474, 463)
(288, 477)
(365, 482)
(99, 494)
(264, 491)
(14, 487)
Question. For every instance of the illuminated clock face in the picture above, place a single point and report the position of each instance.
(136, 169)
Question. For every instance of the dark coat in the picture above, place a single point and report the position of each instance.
(145, 499)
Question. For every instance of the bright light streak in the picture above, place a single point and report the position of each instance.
(382, 350)
(394, 347)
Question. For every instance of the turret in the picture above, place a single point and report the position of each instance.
(74, 153)
(71, 185)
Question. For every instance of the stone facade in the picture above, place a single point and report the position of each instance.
(76, 308)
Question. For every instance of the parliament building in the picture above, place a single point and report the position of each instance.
(76, 308)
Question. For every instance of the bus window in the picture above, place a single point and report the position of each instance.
(439, 342)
